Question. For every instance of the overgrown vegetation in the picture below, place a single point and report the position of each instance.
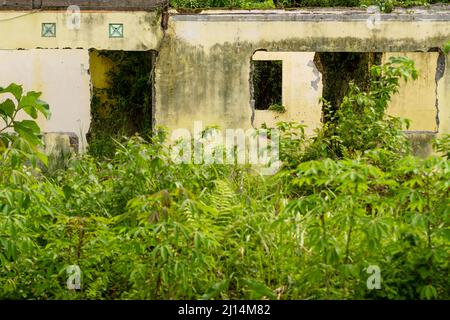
(277, 108)
(359, 124)
(447, 48)
(20, 139)
(124, 107)
(139, 226)
(338, 70)
(384, 5)
(267, 83)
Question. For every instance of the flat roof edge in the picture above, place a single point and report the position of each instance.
(433, 13)
(109, 5)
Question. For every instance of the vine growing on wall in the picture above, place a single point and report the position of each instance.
(124, 107)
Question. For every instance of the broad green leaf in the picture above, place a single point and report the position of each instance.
(258, 290)
(43, 107)
(42, 157)
(27, 133)
(31, 111)
(215, 290)
(32, 125)
(15, 89)
(7, 108)
(428, 292)
(29, 103)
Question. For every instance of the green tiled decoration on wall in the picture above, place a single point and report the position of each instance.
(116, 30)
(48, 30)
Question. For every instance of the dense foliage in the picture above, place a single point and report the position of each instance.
(267, 83)
(385, 5)
(139, 226)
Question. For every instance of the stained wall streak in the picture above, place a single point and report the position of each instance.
(204, 69)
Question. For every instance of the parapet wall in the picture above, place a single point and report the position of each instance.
(44, 29)
(116, 5)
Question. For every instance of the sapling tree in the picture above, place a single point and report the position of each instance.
(21, 137)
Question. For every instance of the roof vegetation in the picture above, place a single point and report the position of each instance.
(385, 5)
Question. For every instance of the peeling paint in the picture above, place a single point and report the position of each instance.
(314, 83)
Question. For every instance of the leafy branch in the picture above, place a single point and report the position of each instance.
(27, 137)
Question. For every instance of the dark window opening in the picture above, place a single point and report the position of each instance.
(267, 83)
(338, 69)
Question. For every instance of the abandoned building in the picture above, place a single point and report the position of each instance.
(201, 64)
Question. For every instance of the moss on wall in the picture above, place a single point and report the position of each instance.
(421, 143)
(212, 87)
(212, 83)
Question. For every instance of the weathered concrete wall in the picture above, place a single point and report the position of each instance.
(23, 30)
(443, 91)
(417, 100)
(63, 78)
(301, 90)
(64, 75)
(203, 71)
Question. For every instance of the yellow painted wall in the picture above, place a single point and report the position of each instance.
(416, 100)
(22, 30)
(203, 70)
(301, 90)
(99, 68)
(100, 81)
(444, 99)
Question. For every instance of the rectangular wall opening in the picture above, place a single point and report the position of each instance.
(267, 80)
(122, 97)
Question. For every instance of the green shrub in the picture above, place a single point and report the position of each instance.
(124, 107)
(442, 145)
(23, 141)
(360, 123)
(141, 227)
(277, 108)
(385, 5)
